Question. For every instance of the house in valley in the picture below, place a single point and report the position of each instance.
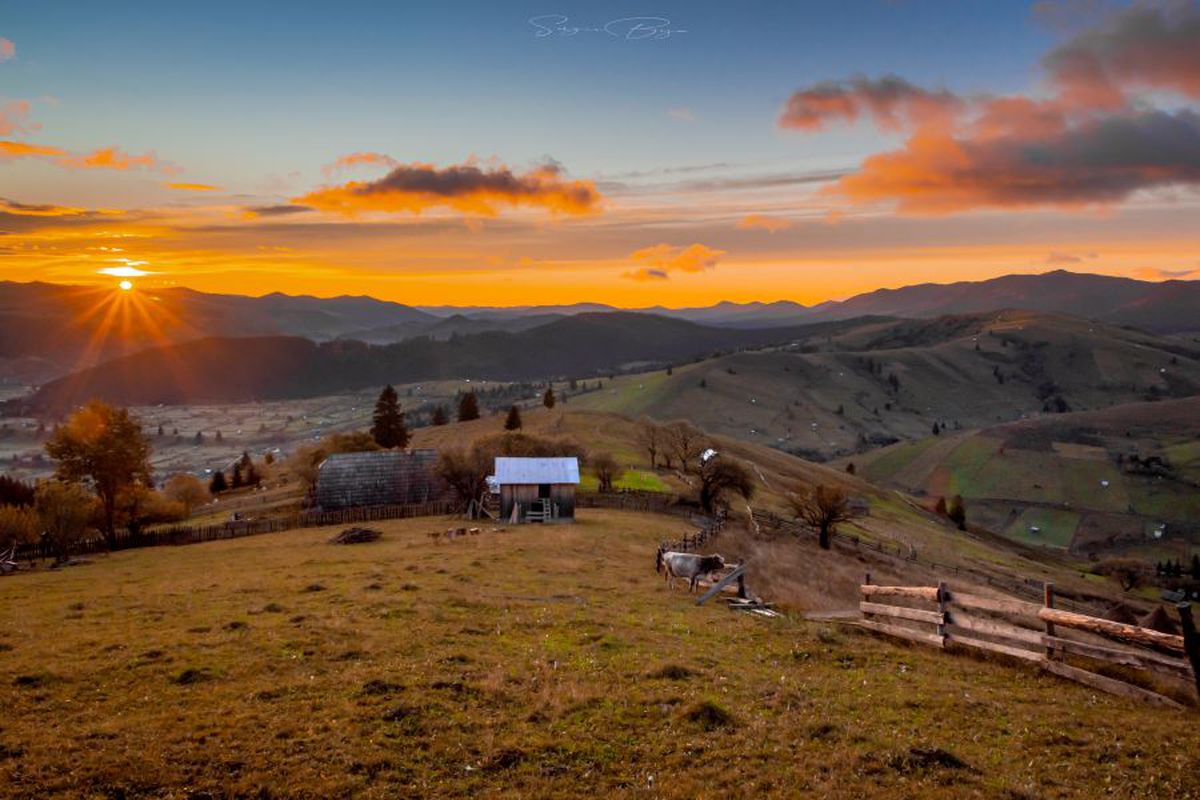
(537, 489)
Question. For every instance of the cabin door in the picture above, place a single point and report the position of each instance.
(543, 491)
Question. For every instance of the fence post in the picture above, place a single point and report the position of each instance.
(1048, 598)
(1191, 640)
(942, 594)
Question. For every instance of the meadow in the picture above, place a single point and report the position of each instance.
(527, 662)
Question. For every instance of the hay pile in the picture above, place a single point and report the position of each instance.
(356, 536)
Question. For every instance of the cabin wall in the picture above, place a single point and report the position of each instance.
(525, 494)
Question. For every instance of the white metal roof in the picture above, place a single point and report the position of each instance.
(537, 470)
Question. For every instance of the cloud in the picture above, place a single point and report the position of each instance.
(646, 274)
(192, 187)
(7, 49)
(40, 210)
(1093, 142)
(658, 261)
(12, 150)
(130, 270)
(276, 211)
(355, 159)
(13, 118)
(681, 114)
(467, 188)
(763, 222)
(1153, 273)
(1057, 259)
(116, 159)
(891, 101)
(1145, 46)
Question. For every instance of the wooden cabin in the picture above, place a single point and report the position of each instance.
(378, 478)
(537, 489)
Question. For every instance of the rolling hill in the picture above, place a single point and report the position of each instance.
(1124, 479)
(835, 394)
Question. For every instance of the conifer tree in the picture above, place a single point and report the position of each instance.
(468, 407)
(548, 398)
(218, 484)
(513, 422)
(388, 428)
(439, 416)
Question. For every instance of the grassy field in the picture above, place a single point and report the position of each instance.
(532, 662)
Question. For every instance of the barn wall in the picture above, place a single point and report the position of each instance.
(561, 493)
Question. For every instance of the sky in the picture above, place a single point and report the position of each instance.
(673, 153)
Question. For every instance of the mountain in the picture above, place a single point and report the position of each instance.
(259, 368)
(1166, 307)
(48, 329)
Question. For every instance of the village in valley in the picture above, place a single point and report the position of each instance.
(462, 400)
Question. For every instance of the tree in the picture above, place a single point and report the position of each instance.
(721, 475)
(548, 398)
(650, 436)
(388, 426)
(851, 469)
(439, 416)
(940, 508)
(685, 441)
(1125, 571)
(513, 421)
(63, 510)
(468, 407)
(236, 481)
(607, 470)
(139, 506)
(14, 492)
(218, 483)
(106, 447)
(936, 430)
(18, 525)
(957, 512)
(465, 471)
(823, 508)
(187, 490)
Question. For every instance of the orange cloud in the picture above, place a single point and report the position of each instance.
(891, 101)
(13, 116)
(762, 221)
(39, 210)
(354, 159)
(112, 158)
(467, 188)
(658, 261)
(192, 187)
(7, 49)
(10, 150)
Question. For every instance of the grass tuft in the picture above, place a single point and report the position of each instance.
(710, 715)
(673, 672)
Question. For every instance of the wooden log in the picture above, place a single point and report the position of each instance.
(1048, 590)
(996, 605)
(900, 612)
(1115, 630)
(1003, 630)
(929, 593)
(994, 647)
(721, 584)
(1191, 641)
(903, 633)
(1106, 684)
(1148, 660)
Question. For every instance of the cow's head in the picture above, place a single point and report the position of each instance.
(712, 563)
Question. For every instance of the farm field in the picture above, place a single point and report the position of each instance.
(533, 662)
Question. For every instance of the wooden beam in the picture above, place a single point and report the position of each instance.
(900, 612)
(1191, 641)
(903, 633)
(1004, 630)
(929, 593)
(1003, 649)
(1115, 630)
(1178, 667)
(996, 605)
(721, 584)
(1106, 684)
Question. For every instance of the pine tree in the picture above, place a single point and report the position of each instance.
(548, 399)
(236, 481)
(389, 429)
(468, 407)
(513, 422)
(439, 416)
(218, 484)
(958, 512)
(936, 430)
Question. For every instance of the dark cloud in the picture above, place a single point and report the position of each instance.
(891, 101)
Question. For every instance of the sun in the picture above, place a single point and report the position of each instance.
(125, 285)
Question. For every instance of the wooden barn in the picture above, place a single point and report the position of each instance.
(378, 478)
(537, 489)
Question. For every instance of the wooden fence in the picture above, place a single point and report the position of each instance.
(192, 534)
(1022, 587)
(1075, 646)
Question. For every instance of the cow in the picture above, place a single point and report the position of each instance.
(691, 566)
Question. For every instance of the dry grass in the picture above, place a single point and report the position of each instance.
(537, 662)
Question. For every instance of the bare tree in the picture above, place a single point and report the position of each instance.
(1127, 572)
(650, 437)
(822, 508)
(720, 476)
(607, 470)
(64, 510)
(188, 490)
(685, 441)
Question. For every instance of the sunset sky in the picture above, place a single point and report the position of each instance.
(486, 154)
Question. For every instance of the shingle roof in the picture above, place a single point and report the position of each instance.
(379, 478)
(537, 470)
